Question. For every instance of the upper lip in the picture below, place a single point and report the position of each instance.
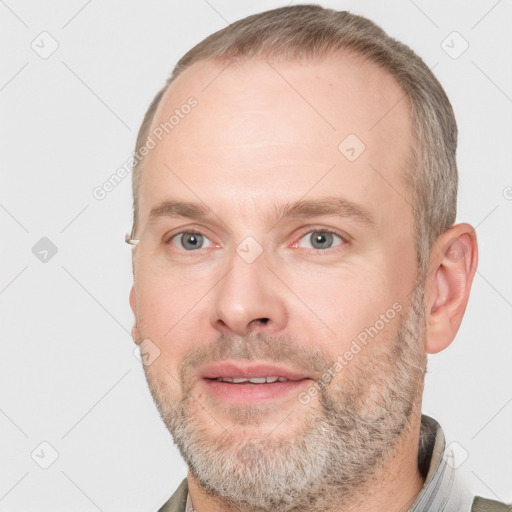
(248, 371)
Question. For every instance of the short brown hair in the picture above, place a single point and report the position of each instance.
(314, 32)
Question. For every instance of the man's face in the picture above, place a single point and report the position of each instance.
(267, 247)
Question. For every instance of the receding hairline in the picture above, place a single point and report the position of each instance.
(222, 63)
(225, 62)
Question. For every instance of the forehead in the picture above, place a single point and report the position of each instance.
(286, 123)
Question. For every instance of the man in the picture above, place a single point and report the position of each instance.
(296, 259)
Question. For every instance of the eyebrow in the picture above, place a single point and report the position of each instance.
(336, 206)
(178, 209)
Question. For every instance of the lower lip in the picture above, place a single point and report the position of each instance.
(248, 393)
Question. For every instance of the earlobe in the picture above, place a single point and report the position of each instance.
(135, 332)
(132, 300)
(453, 265)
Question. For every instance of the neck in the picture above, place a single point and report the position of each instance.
(393, 487)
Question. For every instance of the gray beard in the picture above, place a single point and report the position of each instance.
(346, 437)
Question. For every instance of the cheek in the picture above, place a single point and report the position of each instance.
(172, 311)
(345, 304)
(162, 305)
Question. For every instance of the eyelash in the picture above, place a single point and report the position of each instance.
(168, 239)
(311, 229)
(318, 229)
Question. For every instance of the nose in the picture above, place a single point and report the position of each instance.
(248, 299)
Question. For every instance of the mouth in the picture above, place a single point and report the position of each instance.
(250, 384)
(252, 380)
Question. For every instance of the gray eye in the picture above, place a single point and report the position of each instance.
(190, 241)
(320, 240)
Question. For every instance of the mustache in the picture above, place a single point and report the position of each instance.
(255, 346)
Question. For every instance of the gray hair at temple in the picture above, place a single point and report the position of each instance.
(311, 32)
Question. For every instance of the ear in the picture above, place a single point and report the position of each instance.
(453, 262)
(133, 303)
(135, 332)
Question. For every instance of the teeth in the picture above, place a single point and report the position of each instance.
(258, 380)
(253, 380)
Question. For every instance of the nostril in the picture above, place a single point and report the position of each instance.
(263, 320)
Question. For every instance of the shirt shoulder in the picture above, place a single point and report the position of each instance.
(177, 502)
(485, 505)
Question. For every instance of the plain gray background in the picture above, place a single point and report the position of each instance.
(68, 373)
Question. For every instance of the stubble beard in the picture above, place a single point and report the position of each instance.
(346, 437)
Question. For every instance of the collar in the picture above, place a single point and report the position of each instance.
(441, 490)
(189, 507)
